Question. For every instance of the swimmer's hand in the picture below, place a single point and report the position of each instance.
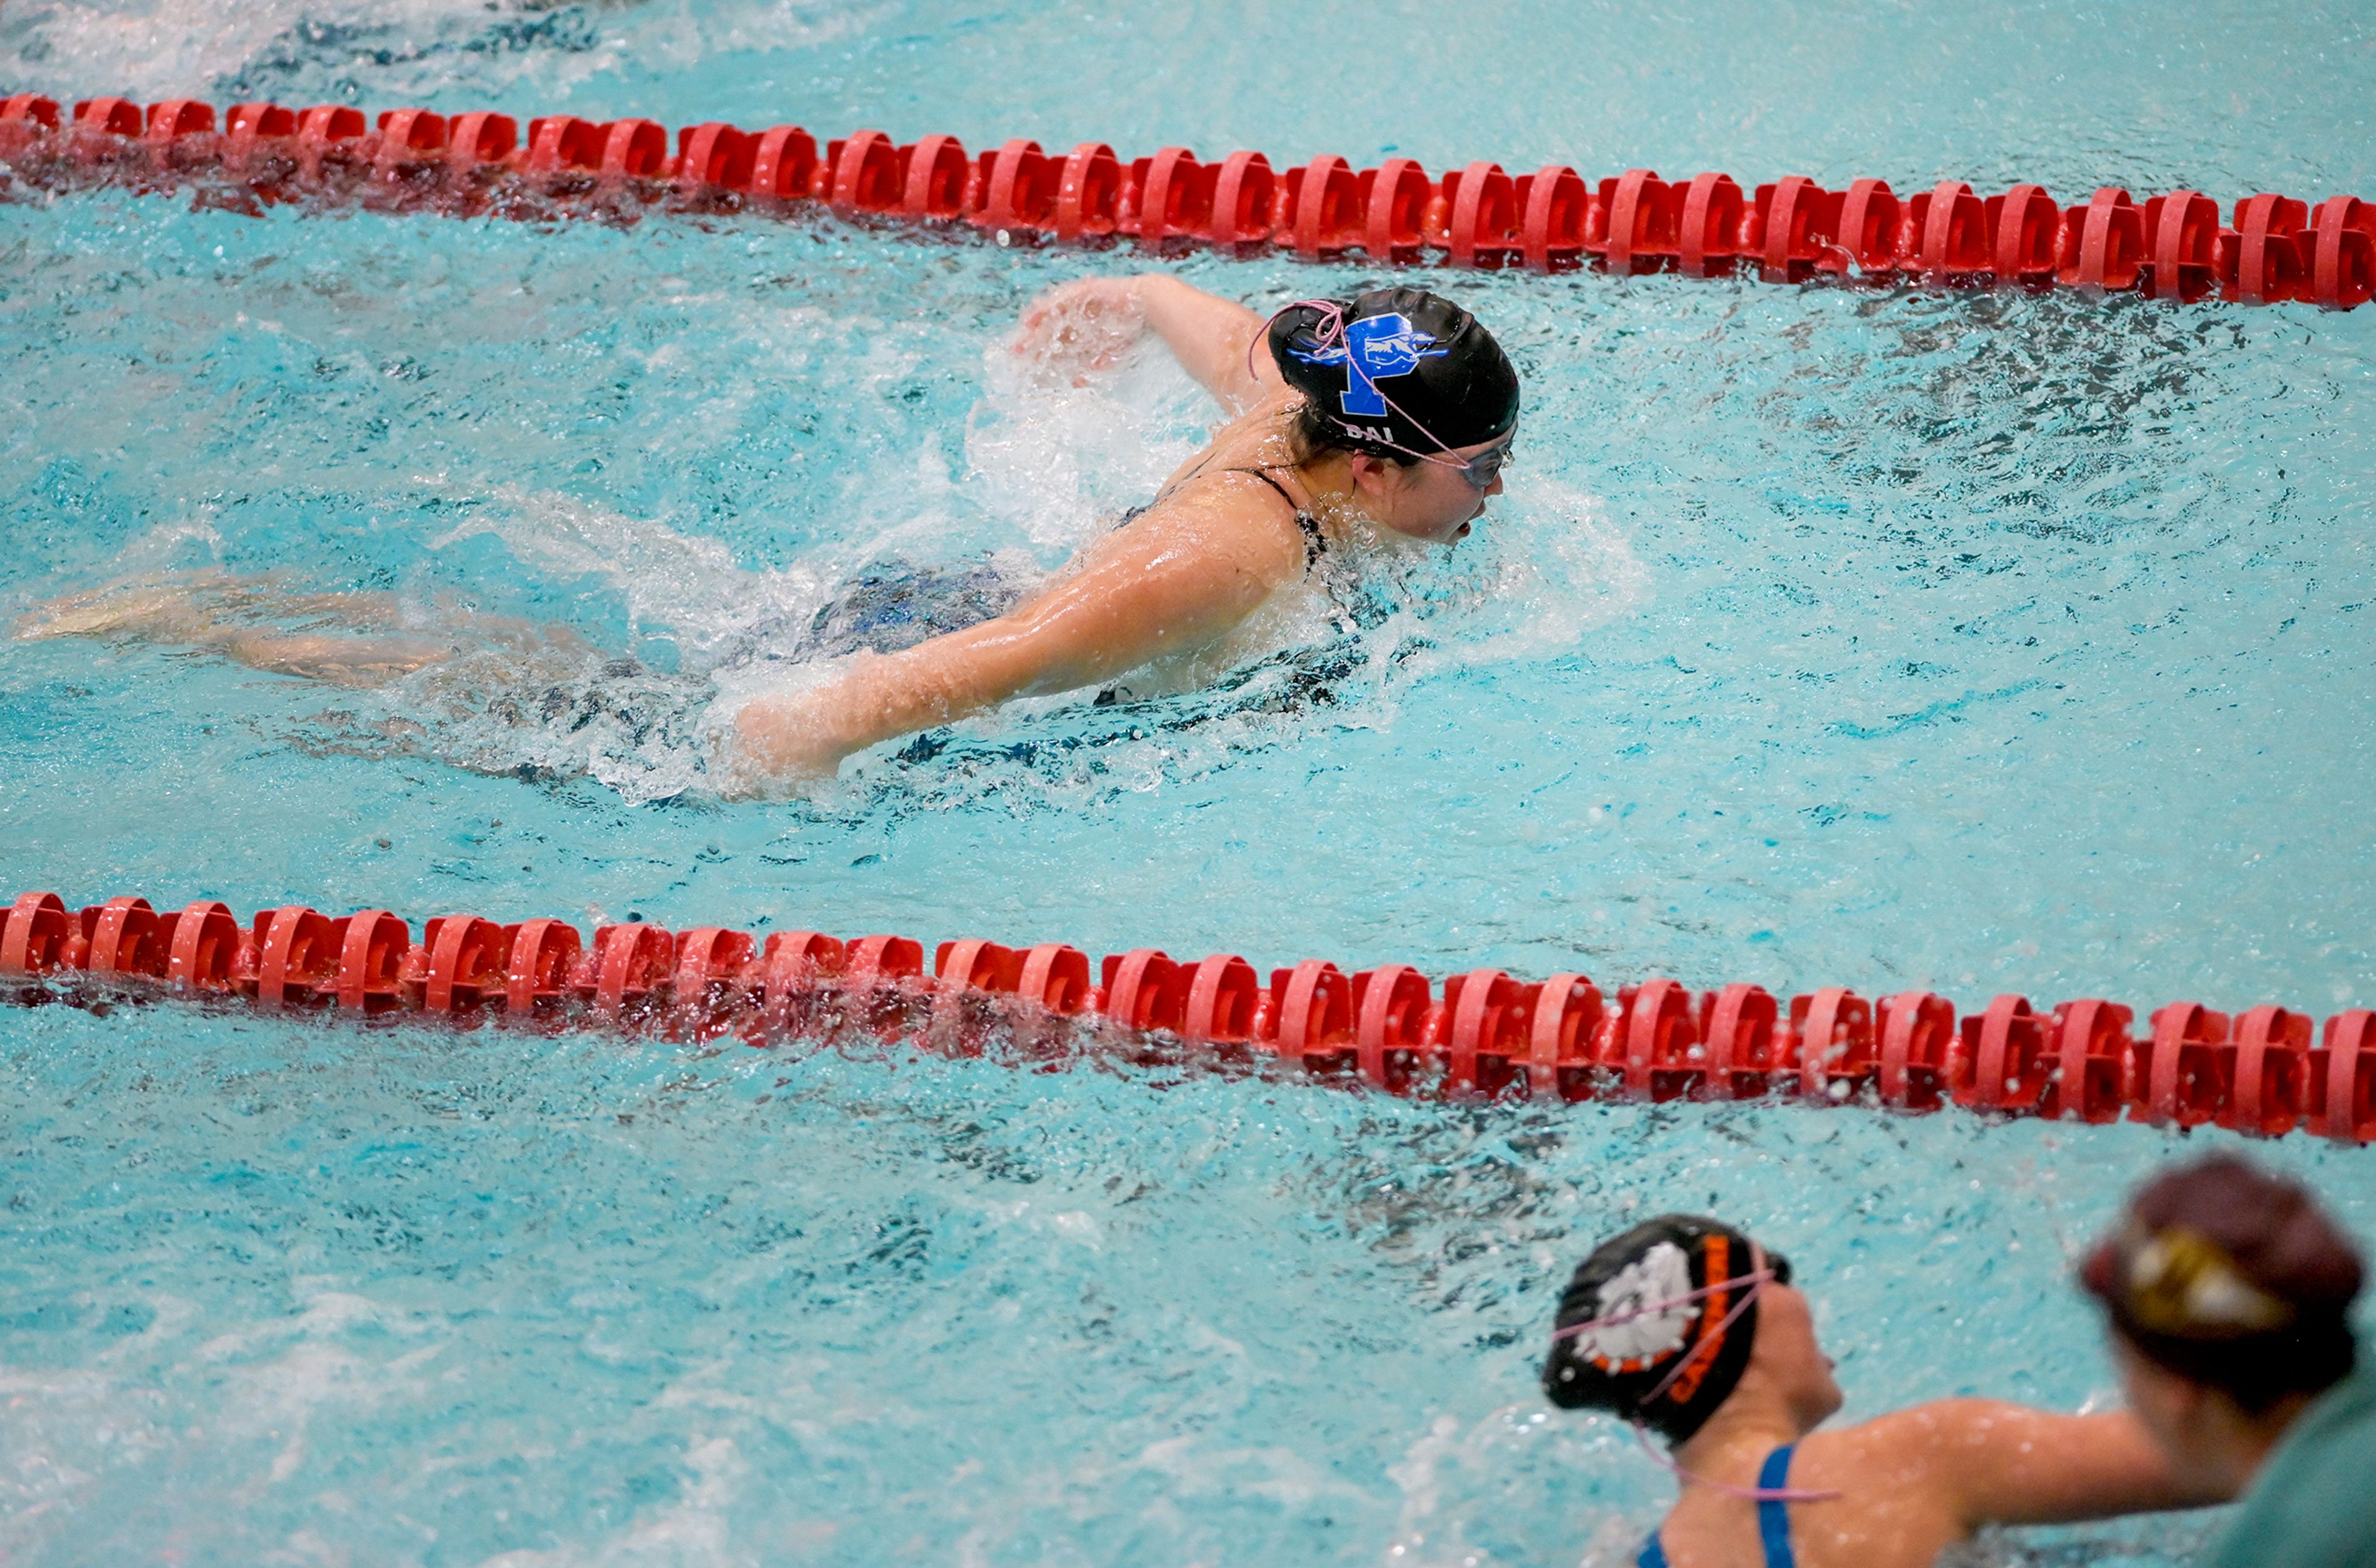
(781, 742)
(1083, 327)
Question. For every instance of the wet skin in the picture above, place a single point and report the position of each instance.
(1909, 1484)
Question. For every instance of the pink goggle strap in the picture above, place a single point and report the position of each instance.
(1756, 1279)
(1613, 1319)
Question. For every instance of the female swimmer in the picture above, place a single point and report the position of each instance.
(1685, 1327)
(1387, 416)
(1380, 419)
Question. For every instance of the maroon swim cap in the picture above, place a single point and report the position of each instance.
(2231, 1276)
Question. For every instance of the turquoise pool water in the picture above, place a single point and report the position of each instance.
(1978, 641)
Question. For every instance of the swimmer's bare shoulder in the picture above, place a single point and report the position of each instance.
(1921, 1479)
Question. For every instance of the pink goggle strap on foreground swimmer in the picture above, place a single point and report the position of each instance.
(1756, 1279)
(1331, 333)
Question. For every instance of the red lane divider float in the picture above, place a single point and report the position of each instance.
(2263, 1073)
(2172, 246)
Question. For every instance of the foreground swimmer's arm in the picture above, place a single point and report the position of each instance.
(1092, 321)
(1174, 581)
(1989, 1462)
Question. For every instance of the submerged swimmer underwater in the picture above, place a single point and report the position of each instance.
(1351, 428)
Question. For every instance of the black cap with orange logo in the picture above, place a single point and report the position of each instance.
(1657, 1324)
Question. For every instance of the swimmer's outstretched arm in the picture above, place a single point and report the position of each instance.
(1175, 581)
(1985, 1462)
(1092, 320)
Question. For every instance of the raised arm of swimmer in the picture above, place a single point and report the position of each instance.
(1093, 321)
(1395, 411)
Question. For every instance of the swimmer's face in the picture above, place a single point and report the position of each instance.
(1786, 1344)
(1433, 502)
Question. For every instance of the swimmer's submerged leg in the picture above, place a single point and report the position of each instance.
(219, 612)
(338, 661)
(147, 609)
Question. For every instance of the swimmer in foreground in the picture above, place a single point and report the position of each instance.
(1685, 1327)
(2227, 1292)
(1381, 422)
(1380, 419)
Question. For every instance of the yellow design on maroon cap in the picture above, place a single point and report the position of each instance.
(2180, 1282)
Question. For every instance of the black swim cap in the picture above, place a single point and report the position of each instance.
(1618, 1366)
(1407, 371)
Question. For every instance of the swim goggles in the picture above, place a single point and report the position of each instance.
(1484, 468)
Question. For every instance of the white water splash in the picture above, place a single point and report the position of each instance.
(687, 583)
(1564, 571)
(160, 48)
(1058, 461)
(300, 50)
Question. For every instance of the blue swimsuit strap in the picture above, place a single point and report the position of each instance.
(1773, 1518)
(1773, 1514)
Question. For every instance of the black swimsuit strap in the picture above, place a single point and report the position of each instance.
(1315, 544)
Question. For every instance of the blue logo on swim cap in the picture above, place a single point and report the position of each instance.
(1381, 345)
